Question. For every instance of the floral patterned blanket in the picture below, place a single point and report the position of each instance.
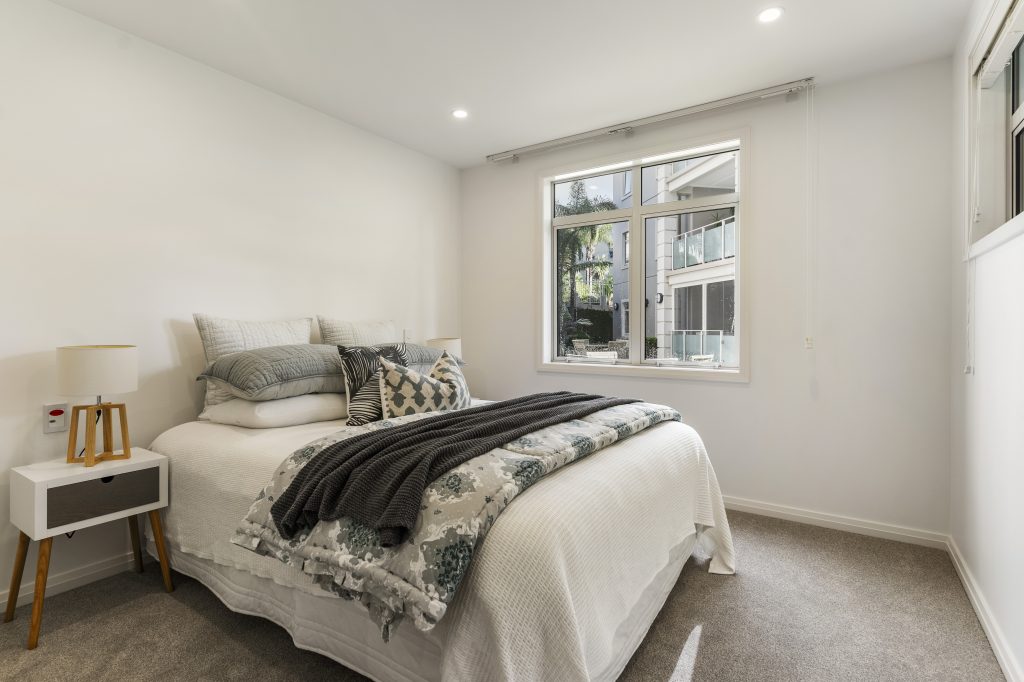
(419, 578)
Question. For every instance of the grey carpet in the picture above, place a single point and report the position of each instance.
(807, 604)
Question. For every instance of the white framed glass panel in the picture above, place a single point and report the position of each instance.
(591, 286)
(687, 179)
(606, 192)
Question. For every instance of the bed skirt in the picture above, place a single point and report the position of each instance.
(342, 631)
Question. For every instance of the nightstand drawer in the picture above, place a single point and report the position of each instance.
(93, 498)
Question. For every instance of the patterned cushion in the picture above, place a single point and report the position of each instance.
(404, 391)
(361, 365)
(221, 336)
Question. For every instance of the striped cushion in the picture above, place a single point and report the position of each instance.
(404, 391)
(361, 365)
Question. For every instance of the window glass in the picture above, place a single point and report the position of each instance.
(1017, 71)
(698, 237)
(1018, 172)
(704, 176)
(690, 281)
(689, 307)
(590, 195)
(721, 306)
(592, 285)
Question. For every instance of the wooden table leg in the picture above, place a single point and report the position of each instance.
(133, 530)
(161, 550)
(42, 568)
(16, 573)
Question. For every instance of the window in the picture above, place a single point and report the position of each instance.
(997, 133)
(1016, 130)
(687, 229)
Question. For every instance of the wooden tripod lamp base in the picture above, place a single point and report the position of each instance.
(102, 412)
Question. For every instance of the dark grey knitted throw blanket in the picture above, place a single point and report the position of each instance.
(379, 478)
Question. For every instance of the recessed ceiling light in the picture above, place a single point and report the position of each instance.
(769, 15)
(460, 113)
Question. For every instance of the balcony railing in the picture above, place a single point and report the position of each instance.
(707, 244)
(705, 347)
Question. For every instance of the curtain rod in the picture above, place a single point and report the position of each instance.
(629, 126)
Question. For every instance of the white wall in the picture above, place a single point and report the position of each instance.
(137, 186)
(987, 406)
(856, 427)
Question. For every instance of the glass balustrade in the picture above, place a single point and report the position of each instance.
(707, 244)
(705, 347)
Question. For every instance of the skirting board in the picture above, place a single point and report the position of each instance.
(1004, 654)
(850, 524)
(1000, 646)
(71, 578)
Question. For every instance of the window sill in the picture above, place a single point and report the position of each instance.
(647, 371)
(1011, 229)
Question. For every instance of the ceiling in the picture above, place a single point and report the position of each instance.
(528, 70)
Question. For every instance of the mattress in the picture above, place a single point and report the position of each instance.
(564, 587)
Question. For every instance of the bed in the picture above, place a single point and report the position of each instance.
(564, 587)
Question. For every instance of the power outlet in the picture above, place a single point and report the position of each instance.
(55, 418)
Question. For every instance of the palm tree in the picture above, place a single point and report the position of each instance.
(575, 253)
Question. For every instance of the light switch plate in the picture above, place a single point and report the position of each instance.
(55, 418)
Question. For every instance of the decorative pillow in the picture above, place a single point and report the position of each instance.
(272, 414)
(404, 391)
(361, 365)
(277, 372)
(222, 336)
(366, 333)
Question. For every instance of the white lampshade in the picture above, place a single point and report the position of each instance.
(96, 370)
(451, 344)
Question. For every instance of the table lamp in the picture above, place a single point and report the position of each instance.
(95, 370)
(451, 344)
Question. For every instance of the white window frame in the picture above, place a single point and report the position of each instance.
(988, 56)
(636, 367)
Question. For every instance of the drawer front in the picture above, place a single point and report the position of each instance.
(90, 499)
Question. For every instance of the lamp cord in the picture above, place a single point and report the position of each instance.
(82, 451)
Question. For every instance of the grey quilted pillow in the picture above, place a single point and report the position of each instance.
(278, 372)
(423, 358)
(221, 336)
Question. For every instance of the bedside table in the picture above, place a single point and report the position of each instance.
(50, 498)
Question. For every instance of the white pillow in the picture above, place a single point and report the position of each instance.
(221, 336)
(365, 333)
(272, 414)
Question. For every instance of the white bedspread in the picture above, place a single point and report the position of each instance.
(564, 587)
